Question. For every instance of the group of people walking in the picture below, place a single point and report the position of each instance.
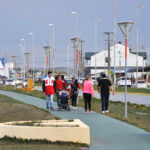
(53, 86)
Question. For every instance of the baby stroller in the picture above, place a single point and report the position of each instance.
(63, 100)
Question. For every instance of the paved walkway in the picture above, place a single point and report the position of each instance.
(106, 133)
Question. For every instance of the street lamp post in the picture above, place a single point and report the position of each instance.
(53, 46)
(46, 49)
(15, 58)
(96, 41)
(23, 58)
(137, 37)
(109, 59)
(75, 41)
(114, 75)
(76, 44)
(27, 54)
(33, 67)
(125, 27)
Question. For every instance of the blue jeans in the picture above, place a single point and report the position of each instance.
(105, 102)
(49, 101)
(58, 98)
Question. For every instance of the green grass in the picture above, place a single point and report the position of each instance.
(8, 143)
(118, 89)
(13, 110)
(130, 90)
(138, 115)
(38, 84)
(133, 90)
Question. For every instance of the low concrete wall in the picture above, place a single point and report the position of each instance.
(55, 130)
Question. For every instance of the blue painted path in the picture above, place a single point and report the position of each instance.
(106, 133)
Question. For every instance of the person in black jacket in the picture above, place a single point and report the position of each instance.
(74, 92)
(103, 89)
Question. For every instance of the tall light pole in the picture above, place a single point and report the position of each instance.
(76, 45)
(109, 59)
(46, 49)
(53, 46)
(137, 37)
(23, 40)
(96, 41)
(22, 57)
(33, 67)
(125, 27)
(75, 41)
(15, 58)
(114, 43)
(27, 54)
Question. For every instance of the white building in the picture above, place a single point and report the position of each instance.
(101, 57)
(6, 69)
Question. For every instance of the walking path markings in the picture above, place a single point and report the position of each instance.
(106, 133)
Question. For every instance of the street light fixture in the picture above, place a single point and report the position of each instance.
(76, 15)
(53, 46)
(32, 35)
(137, 37)
(125, 27)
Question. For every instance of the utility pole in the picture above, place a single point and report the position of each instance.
(114, 75)
(96, 41)
(82, 60)
(109, 59)
(137, 37)
(27, 54)
(143, 63)
(33, 64)
(15, 58)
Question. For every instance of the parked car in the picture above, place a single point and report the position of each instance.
(139, 84)
(121, 81)
(69, 81)
(80, 80)
(10, 82)
(25, 83)
(1, 82)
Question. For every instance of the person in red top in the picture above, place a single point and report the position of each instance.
(48, 89)
(59, 85)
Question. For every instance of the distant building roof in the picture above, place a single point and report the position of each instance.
(143, 54)
(89, 54)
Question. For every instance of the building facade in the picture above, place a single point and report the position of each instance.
(97, 63)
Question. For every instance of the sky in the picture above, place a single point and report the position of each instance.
(20, 17)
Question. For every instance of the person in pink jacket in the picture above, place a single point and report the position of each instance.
(88, 91)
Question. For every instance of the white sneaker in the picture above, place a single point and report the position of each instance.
(75, 107)
(103, 112)
(107, 111)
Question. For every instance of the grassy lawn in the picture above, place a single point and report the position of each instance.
(8, 145)
(119, 89)
(138, 115)
(13, 110)
(130, 90)
(38, 84)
